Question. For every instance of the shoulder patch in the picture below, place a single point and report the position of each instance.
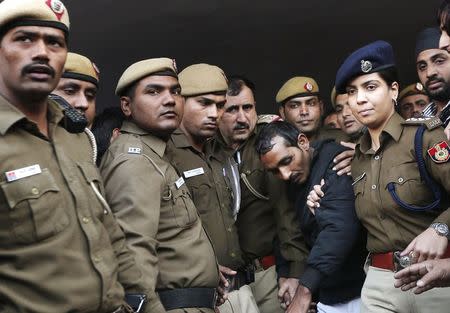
(430, 122)
(440, 152)
(268, 118)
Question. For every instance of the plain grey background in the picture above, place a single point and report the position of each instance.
(269, 41)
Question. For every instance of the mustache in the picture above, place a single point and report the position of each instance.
(38, 67)
(434, 80)
(241, 126)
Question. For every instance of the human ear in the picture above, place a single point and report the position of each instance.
(125, 105)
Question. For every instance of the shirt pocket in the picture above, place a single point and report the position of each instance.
(408, 185)
(36, 207)
(200, 188)
(183, 209)
(359, 185)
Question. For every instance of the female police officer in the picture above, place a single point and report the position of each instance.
(398, 201)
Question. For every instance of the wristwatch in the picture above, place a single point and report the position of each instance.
(441, 229)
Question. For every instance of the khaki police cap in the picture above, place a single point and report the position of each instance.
(48, 13)
(81, 68)
(413, 89)
(144, 68)
(297, 86)
(201, 79)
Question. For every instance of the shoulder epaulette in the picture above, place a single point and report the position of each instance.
(267, 118)
(429, 122)
(133, 145)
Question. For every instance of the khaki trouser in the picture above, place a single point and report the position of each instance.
(240, 301)
(265, 291)
(379, 295)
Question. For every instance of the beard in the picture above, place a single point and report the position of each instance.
(441, 95)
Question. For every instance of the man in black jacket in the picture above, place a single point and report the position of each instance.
(334, 268)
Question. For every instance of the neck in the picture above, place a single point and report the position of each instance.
(376, 132)
(196, 142)
(439, 105)
(34, 107)
(311, 135)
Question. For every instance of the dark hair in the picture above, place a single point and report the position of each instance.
(103, 127)
(237, 82)
(129, 91)
(283, 129)
(443, 16)
(389, 75)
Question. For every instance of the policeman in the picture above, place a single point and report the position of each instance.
(346, 120)
(411, 101)
(397, 187)
(203, 88)
(151, 200)
(265, 214)
(79, 84)
(300, 104)
(61, 249)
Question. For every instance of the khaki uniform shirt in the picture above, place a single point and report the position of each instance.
(330, 133)
(59, 250)
(389, 226)
(154, 207)
(266, 214)
(211, 192)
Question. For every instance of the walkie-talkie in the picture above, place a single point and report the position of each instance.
(74, 121)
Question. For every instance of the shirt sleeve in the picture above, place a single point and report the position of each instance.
(339, 230)
(293, 251)
(133, 189)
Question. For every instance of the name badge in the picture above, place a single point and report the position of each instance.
(179, 182)
(194, 172)
(132, 150)
(23, 172)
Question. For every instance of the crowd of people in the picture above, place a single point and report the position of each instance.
(184, 199)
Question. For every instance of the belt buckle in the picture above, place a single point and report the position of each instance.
(400, 262)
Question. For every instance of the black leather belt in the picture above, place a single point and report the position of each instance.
(188, 298)
(243, 277)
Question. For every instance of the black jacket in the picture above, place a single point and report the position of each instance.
(334, 269)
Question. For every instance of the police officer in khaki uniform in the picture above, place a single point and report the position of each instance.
(209, 179)
(266, 218)
(346, 120)
(79, 84)
(150, 198)
(61, 249)
(397, 185)
(411, 101)
(300, 104)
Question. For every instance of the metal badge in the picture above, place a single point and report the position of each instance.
(419, 87)
(57, 7)
(308, 86)
(366, 66)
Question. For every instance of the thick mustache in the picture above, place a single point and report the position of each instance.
(40, 68)
(241, 126)
(434, 80)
